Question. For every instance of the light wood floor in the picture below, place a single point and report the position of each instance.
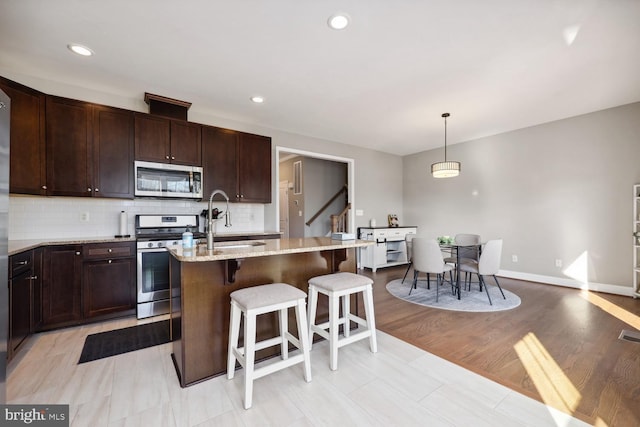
(401, 385)
(560, 346)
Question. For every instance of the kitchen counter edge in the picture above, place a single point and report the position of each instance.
(17, 246)
(270, 247)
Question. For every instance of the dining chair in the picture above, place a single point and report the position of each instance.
(427, 258)
(487, 265)
(470, 254)
(408, 242)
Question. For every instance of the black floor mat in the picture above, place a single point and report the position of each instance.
(111, 343)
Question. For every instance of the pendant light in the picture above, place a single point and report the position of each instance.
(445, 169)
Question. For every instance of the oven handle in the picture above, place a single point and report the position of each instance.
(147, 250)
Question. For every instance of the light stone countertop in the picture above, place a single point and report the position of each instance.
(17, 246)
(257, 248)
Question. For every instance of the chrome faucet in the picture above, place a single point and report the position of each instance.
(210, 219)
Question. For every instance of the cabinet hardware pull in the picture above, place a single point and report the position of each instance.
(77, 253)
(88, 189)
(166, 157)
(22, 262)
(173, 158)
(109, 261)
(97, 190)
(33, 278)
(44, 187)
(109, 250)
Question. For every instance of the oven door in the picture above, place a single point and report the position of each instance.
(153, 275)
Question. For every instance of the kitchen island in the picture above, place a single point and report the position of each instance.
(202, 280)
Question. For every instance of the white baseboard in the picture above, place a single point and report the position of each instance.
(569, 283)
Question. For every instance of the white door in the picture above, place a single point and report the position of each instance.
(283, 195)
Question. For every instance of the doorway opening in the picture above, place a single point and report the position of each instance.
(289, 220)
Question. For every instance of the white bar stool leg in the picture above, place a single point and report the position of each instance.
(311, 308)
(284, 328)
(334, 322)
(233, 339)
(303, 337)
(346, 312)
(371, 322)
(249, 356)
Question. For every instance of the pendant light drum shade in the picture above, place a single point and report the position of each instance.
(446, 169)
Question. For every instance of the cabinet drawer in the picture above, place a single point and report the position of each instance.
(108, 250)
(20, 262)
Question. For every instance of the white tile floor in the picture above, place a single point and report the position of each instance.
(400, 385)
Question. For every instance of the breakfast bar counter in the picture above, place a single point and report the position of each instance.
(201, 281)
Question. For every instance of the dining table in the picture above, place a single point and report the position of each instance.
(452, 247)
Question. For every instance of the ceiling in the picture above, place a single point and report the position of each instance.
(382, 83)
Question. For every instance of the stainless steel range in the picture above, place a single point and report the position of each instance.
(153, 234)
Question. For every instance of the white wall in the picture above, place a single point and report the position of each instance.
(561, 190)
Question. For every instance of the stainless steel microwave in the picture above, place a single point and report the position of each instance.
(167, 180)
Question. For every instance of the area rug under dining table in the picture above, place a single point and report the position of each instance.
(472, 300)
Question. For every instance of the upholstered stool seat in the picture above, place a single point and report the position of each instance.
(258, 300)
(337, 286)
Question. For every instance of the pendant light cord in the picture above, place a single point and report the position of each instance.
(445, 115)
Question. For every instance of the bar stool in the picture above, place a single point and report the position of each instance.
(336, 286)
(258, 300)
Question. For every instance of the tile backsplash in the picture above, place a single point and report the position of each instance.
(33, 217)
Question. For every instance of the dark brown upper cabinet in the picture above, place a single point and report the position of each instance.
(112, 152)
(158, 139)
(89, 149)
(68, 147)
(238, 163)
(28, 155)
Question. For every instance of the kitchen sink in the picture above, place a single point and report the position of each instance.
(222, 245)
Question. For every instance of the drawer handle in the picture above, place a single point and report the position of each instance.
(77, 253)
(33, 278)
(109, 250)
(22, 262)
(109, 261)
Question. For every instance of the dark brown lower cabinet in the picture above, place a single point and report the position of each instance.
(24, 298)
(20, 310)
(108, 287)
(61, 304)
(87, 282)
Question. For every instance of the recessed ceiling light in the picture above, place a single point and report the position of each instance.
(339, 21)
(257, 99)
(79, 49)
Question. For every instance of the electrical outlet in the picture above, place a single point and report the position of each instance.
(514, 258)
(359, 212)
(558, 263)
(84, 216)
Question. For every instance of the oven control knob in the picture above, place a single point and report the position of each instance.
(160, 244)
(149, 245)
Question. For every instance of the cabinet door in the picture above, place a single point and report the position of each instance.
(112, 152)
(61, 285)
(220, 161)
(254, 170)
(186, 145)
(36, 290)
(152, 138)
(27, 163)
(108, 287)
(68, 147)
(19, 310)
